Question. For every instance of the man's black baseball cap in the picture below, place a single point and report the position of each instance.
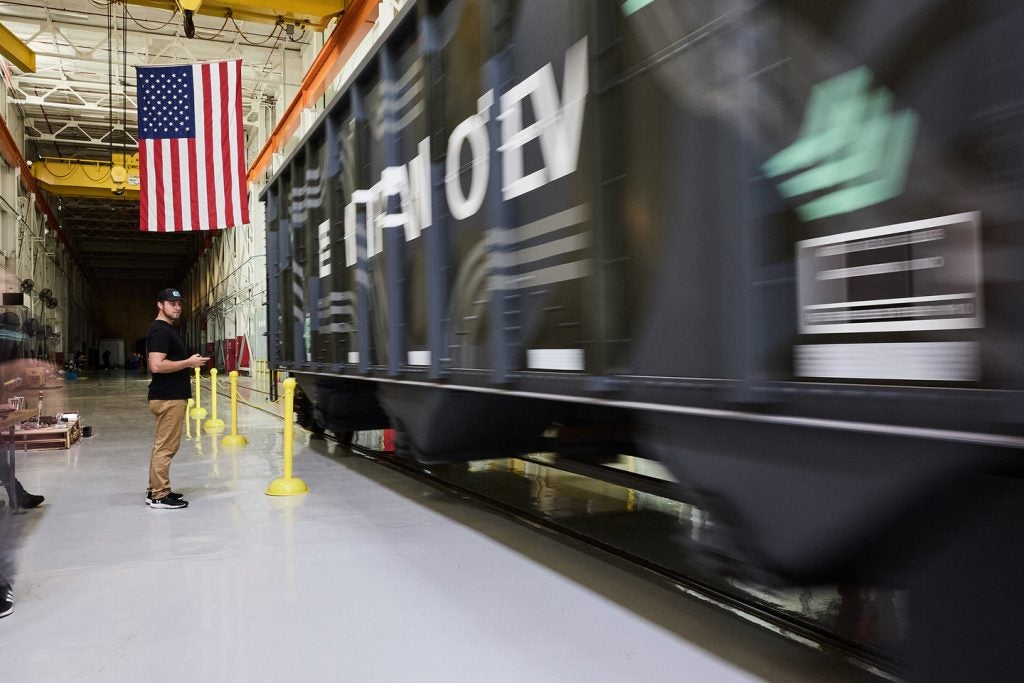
(169, 294)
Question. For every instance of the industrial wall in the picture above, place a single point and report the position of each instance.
(58, 312)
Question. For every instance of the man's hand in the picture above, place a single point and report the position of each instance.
(197, 361)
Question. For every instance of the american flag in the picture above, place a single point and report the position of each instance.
(191, 153)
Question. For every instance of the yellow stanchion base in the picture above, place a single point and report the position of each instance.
(287, 487)
(212, 425)
(197, 413)
(234, 440)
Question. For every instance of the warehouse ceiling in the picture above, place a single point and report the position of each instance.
(79, 104)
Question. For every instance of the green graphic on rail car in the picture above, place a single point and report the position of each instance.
(631, 6)
(852, 147)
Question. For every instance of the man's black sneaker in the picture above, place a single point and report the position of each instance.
(167, 502)
(172, 494)
(26, 500)
(6, 599)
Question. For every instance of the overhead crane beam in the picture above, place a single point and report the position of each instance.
(313, 14)
(75, 178)
(16, 52)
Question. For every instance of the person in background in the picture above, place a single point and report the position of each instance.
(169, 391)
(24, 499)
(11, 366)
(6, 591)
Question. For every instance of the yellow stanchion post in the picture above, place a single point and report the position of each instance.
(214, 424)
(188, 425)
(234, 438)
(288, 485)
(199, 412)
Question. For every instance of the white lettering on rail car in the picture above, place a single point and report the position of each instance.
(558, 130)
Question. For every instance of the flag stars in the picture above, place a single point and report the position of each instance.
(168, 103)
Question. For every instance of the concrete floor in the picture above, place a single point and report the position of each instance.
(372, 576)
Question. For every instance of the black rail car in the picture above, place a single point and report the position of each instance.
(776, 245)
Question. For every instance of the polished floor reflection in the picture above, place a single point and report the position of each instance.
(372, 576)
(666, 533)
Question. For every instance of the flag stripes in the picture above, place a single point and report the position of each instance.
(191, 148)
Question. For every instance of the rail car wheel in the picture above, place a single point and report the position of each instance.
(344, 438)
(305, 414)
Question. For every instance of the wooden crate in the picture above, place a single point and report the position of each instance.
(53, 437)
(35, 377)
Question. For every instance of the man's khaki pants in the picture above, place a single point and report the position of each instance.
(169, 416)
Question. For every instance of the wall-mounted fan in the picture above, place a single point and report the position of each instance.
(27, 284)
(9, 321)
(46, 296)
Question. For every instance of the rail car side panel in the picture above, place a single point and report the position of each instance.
(540, 196)
(754, 234)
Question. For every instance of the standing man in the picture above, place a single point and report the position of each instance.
(169, 392)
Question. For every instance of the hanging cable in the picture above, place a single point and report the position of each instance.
(53, 172)
(103, 175)
(219, 31)
(110, 79)
(138, 23)
(278, 28)
(270, 54)
(124, 84)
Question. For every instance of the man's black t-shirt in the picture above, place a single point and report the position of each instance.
(162, 338)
